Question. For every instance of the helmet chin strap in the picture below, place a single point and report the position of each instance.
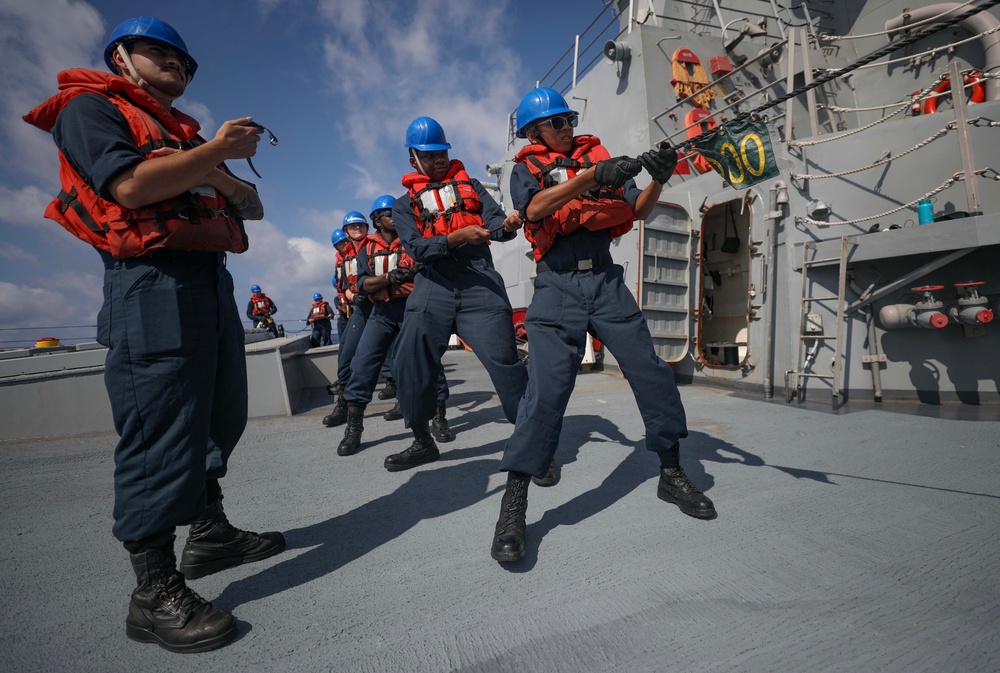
(131, 68)
(420, 166)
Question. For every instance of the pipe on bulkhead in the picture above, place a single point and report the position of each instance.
(926, 313)
(778, 198)
(976, 24)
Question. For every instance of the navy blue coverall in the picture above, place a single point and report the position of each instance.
(378, 342)
(175, 370)
(569, 301)
(458, 292)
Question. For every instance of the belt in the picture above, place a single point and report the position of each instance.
(575, 265)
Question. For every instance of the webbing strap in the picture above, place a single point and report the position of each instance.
(69, 200)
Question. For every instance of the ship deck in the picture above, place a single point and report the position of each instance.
(845, 542)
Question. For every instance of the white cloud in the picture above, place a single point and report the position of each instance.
(349, 17)
(58, 302)
(12, 253)
(324, 221)
(39, 39)
(23, 207)
(267, 6)
(200, 112)
(289, 269)
(393, 61)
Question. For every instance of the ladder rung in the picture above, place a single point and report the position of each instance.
(816, 376)
(818, 336)
(824, 260)
(830, 298)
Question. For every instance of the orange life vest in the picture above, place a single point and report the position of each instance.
(446, 206)
(197, 220)
(321, 309)
(603, 208)
(261, 304)
(384, 257)
(340, 272)
(349, 265)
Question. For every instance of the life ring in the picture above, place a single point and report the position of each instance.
(972, 78)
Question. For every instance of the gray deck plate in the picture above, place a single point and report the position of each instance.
(860, 542)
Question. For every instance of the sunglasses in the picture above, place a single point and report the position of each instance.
(560, 122)
(272, 139)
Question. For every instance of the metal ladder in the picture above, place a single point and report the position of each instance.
(809, 330)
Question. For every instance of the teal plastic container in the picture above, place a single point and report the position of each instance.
(925, 211)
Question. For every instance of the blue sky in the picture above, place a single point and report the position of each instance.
(337, 81)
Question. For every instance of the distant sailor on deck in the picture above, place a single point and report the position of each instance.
(576, 200)
(320, 315)
(446, 220)
(156, 200)
(260, 308)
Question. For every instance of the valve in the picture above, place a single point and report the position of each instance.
(925, 313)
(972, 309)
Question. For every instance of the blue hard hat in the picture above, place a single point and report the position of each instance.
(383, 202)
(426, 135)
(255, 288)
(333, 281)
(338, 236)
(317, 296)
(538, 104)
(354, 217)
(147, 28)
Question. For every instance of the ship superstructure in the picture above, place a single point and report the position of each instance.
(866, 270)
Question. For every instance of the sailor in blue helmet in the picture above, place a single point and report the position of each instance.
(355, 225)
(446, 220)
(576, 200)
(355, 229)
(320, 315)
(339, 281)
(386, 274)
(176, 368)
(260, 307)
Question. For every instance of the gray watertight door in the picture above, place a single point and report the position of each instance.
(665, 290)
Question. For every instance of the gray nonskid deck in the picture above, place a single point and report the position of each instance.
(860, 542)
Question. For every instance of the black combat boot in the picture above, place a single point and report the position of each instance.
(551, 477)
(351, 442)
(422, 450)
(393, 414)
(339, 414)
(675, 487)
(439, 424)
(508, 539)
(214, 544)
(164, 610)
(388, 391)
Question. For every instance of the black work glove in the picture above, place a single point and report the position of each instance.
(614, 173)
(659, 163)
(396, 276)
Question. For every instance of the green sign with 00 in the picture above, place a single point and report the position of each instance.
(740, 152)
